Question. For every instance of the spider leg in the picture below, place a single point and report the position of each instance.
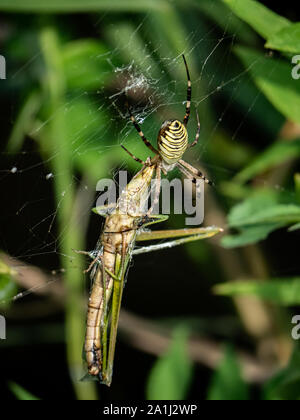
(186, 173)
(133, 157)
(197, 134)
(182, 165)
(140, 132)
(157, 189)
(194, 180)
(97, 259)
(94, 261)
(189, 94)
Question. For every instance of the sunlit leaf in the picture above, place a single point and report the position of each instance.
(257, 216)
(227, 383)
(23, 123)
(281, 213)
(21, 393)
(285, 292)
(73, 6)
(285, 385)
(250, 235)
(230, 154)
(276, 154)
(85, 64)
(131, 47)
(297, 186)
(7, 285)
(171, 374)
(274, 78)
(235, 190)
(257, 202)
(287, 39)
(294, 227)
(262, 19)
(218, 10)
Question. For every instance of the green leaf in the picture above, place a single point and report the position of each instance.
(285, 386)
(249, 235)
(233, 25)
(273, 77)
(24, 122)
(297, 186)
(21, 393)
(84, 124)
(227, 383)
(285, 292)
(287, 39)
(276, 154)
(258, 216)
(7, 285)
(235, 190)
(131, 46)
(294, 227)
(228, 153)
(171, 375)
(85, 64)
(262, 19)
(257, 202)
(83, 130)
(281, 213)
(75, 6)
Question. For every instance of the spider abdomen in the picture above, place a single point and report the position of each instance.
(172, 141)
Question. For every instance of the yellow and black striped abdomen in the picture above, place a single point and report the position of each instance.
(172, 141)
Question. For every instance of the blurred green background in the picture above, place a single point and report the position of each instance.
(211, 320)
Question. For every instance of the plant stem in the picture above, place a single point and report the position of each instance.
(67, 218)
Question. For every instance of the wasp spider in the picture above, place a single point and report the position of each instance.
(172, 142)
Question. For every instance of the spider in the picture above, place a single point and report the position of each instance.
(172, 142)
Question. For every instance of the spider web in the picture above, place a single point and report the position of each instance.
(155, 85)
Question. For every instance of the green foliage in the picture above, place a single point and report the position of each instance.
(78, 74)
(256, 217)
(297, 186)
(171, 374)
(24, 122)
(82, 123)
(277, 154)
(65, 114)
(234, 25)
(285, 386)
(285, 292)
(286, 40)
(273, 78)
(263, 20)
(21, 393)
(7, 285)
(55, 142)
(227, 383)
(73, 6)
